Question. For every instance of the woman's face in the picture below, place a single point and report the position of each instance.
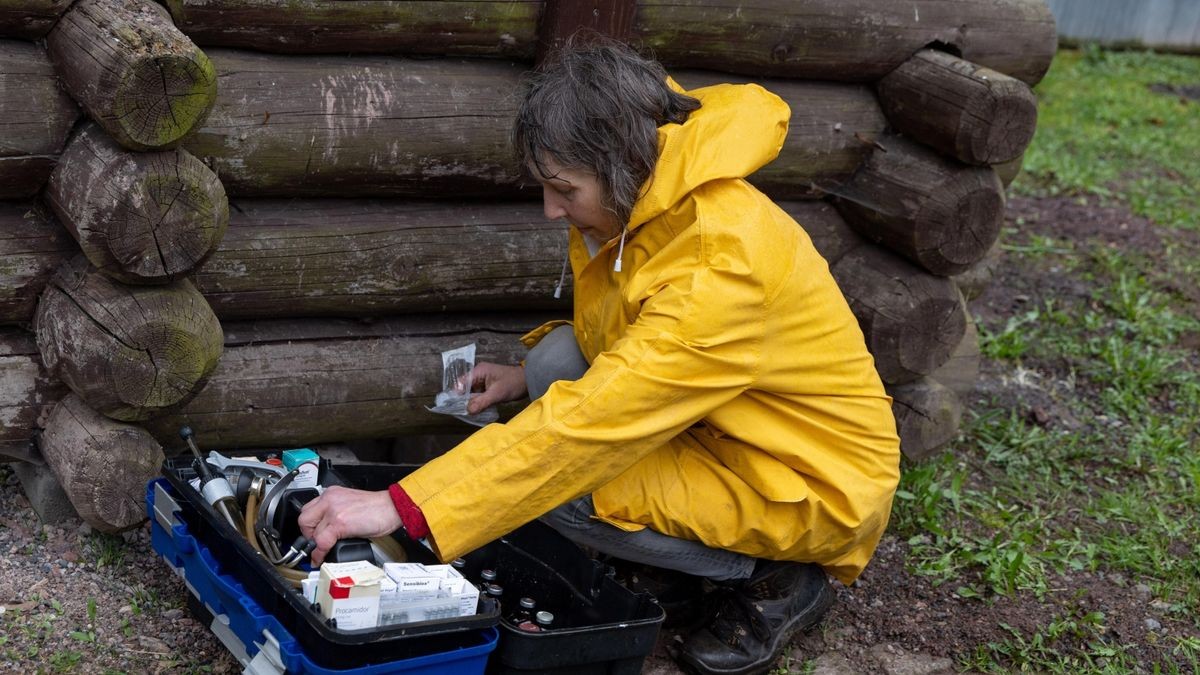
(575, 194)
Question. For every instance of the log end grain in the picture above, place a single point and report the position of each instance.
(147, 117)
(130, 352)
(928, 416)
(102, 465)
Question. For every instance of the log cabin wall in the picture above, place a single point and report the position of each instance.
(261, 221)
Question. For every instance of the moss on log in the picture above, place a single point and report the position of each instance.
(124, 61)
(140, 217)
(130, 352)
(507, 28)
(102, 465)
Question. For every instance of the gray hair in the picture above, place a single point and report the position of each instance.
(596, 107)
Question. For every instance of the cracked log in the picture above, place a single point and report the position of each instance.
(929, 410)
(140, 217)
(854, 40)
(32, 246)
(124, 61)
(36, 116)
(320, 126)
(972, 113)
(295, 382)
(340, 257)
(928, 415)
(30, 19)
(912, 320)
(129, 352)
(26, 390)
(939, 213)
(102, 465)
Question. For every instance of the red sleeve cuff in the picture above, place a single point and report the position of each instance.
(410, 513)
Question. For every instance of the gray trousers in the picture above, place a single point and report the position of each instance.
(557, 357)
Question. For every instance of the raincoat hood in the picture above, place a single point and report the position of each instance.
(738, 129)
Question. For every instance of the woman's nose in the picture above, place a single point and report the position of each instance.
(551, 205)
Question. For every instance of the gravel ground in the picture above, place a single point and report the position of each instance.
(75, 600)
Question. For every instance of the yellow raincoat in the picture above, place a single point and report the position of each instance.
(730, 398)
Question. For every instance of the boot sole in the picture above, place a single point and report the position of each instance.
(806, 619)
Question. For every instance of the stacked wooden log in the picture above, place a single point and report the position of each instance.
(268, 239)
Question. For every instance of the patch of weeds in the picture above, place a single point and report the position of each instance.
(1103, 130)
(1011, 342)
(65, 661)
(1076, 643)
(107, 550)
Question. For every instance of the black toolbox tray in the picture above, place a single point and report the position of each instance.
(600, 627)
(326, 646)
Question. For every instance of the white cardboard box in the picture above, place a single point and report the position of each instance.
(349, 592)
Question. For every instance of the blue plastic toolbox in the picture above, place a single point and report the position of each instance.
(256, 637)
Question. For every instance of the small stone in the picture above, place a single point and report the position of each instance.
(1152, 624)
(125, 609)
(877, 602)
(1143, 592)
(1118, 579)
(84, 529)
(173, 614)
(895, 661)
(832, 663)
(1160, 606)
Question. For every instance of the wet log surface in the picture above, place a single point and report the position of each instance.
(129, 352)
(331, 257)
(102, 465)
(26, 390)
(972, 113)
(30, 19)
(140, 217)
(850, 40)
(36, 116)
(32, 246)
(325, 126)
(937, 212)
(124, 61)
(290, 382)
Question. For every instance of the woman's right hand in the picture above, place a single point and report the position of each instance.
(496, 384)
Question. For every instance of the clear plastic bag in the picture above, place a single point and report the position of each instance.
(458, 366)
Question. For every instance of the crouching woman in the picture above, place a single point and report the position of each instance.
(712, 409)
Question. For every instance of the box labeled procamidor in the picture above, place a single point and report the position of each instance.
(349, 593)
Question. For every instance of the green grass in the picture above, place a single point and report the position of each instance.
(1103, 131)
(1111, 482)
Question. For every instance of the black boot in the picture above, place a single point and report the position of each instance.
(755, 619)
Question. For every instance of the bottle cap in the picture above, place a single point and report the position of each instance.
(494, 590)
(488, 575)
(545, 618)
(528, 603)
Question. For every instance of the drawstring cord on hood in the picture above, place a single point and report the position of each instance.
(562, 276)
(620, 250)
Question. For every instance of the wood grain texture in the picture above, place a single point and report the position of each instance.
(102, 465)
(36, 116)
(939, 213)
(563, 18)
(130, 352)
(124, 61)
(972, 113)
(140, 217)
(26, 390)
(852, 40)
(30, 19)
(503, 28)
(340, 257)
(847, 40)
(928, 416)
(291, 382)
(32, 246)
(388, 127)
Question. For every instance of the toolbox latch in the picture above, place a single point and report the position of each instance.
(165, 508)
(268, 660)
